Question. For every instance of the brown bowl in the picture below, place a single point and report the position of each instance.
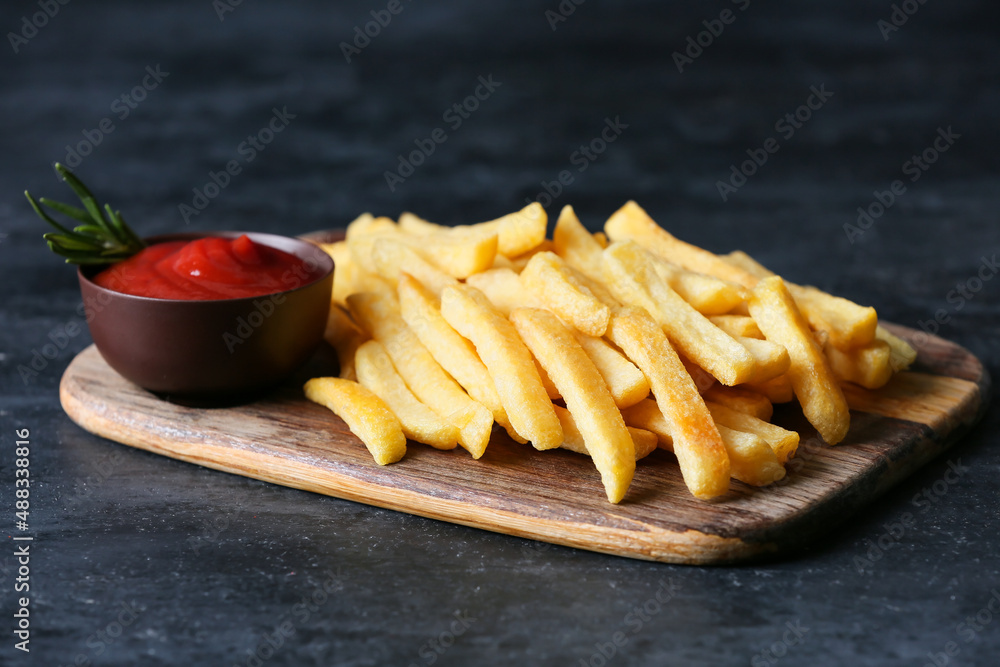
(211, 349)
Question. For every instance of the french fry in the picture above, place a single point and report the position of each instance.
(902, 355)
(703, 380)
(518, 232)
(742, 400)
(510, 363)
(848, 324)
(380, 316)
(627, 384)
(348, 277)
(504, 290)
(778, 390)
(518, 263)
(645, 442)
(707, 294)
(346, 338)
(458, 252)
(416, 226)
(869, 366)
(420, 311)
(376, 373)
(577, 247)
(366, 415)
(362, 247)
(366, 224)
(632, 223)
(782, 441)
(749, 462)
(697, 444)
(547, 383)
(737, 325)
(547, 276)
(822, 400)
(634, 280)
(770, 359)
(393, 257)
(585, 393)
(601, 238)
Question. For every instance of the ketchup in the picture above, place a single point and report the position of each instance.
(208, 269)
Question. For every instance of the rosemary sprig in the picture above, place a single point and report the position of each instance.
(99, 239)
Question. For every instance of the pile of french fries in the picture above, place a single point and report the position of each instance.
(609, 344)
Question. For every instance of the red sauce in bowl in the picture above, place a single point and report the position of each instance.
(207, 269)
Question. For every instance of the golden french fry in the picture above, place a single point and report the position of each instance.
(393, 257)
(632, 223)
(348, 276)
(586, 396)
(633, 279)
(902, 354)
(458, 252)
(601, 238)
(504, 290)
(645, 442)
(627, 384)
(707, 294)
(366, 224)
(379, 315)
(547, 276)
(577, 246)
(417, 226)
(362, 247)
(751, 459)
(519, 232)
(778, 390)
(346, 338)
(782, 441)
(456, 355)
(869, 366)
(737, 325)
(749, 463)
(770, 358)
(510, 363)
(366, 415)
(547, 383)
(518, 263)
(848, 324)
(697, 444)
(420, 423)
(702, 379)
(742, 400)
(822, 400)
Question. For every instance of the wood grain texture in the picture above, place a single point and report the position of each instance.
(555, 496)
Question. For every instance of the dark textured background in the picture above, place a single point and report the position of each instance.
(212, 561)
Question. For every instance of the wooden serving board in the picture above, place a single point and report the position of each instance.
(557, 496)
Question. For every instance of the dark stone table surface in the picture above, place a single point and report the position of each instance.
(142, 560)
